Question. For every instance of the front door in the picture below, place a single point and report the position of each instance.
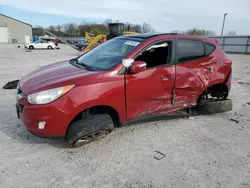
(42, 44)
(151, 90)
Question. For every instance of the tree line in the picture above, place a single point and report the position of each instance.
(73, 29)
(203, 32)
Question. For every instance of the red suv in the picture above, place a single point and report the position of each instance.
(84, 98)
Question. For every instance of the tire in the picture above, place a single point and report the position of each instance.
(49, 47)
(86, 130)
(213, 107)
(31, 47)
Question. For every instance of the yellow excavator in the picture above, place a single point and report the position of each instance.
(114, 30)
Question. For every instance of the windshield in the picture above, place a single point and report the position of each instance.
(108, 54)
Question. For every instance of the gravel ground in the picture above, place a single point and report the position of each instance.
(207, 151)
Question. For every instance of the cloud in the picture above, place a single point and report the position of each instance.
(163, 15)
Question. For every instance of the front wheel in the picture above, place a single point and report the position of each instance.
(86, 130)
(49, 47)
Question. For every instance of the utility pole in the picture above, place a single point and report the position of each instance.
(222, 29)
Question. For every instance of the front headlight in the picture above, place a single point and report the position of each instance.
(47, 96)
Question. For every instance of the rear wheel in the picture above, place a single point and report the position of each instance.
(31, 47)
(49, 47)
(214, 106)
(88, 129)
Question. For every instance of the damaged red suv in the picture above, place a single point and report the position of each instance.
(85, 98)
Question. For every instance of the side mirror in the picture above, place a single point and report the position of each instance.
(138, 66)
(127, 62)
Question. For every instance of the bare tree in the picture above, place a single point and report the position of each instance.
(107, 21)
(231, 33)
(182, 32)
(194, 31)
(136, 28)
(174, 31)
(82, 29)
(210, 33)
(127, 26)
(37, 31)
(72, 29)
(179, 32)
(132, 27)
(51, 28)
(200, 32)
(59, 28)
(147, 28)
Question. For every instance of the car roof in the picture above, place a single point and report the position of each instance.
(145, 36)
(149, 35)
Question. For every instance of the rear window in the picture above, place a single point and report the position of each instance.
(190, 49)
(209, 48)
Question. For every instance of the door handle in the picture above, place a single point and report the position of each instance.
(166, 77)
(208, 68)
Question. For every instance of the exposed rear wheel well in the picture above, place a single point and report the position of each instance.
(218, 88)
(217, 91)
(99, 110)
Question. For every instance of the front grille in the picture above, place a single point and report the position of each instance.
(19, 107)
(19, 93)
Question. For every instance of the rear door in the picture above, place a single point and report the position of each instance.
(194, 70)
(44, 44)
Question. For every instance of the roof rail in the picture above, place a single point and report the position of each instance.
(171, 34)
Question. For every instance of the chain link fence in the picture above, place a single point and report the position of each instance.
(234, 44)
(73, 38)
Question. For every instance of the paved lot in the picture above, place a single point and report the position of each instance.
(207, 151)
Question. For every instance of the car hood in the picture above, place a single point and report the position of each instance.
(53, 75)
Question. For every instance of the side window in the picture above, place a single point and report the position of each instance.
(190, 49)
(209, 48)
(156, 54)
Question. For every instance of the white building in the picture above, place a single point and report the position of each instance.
(14, 31)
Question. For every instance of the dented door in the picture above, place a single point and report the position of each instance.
(192, 75)
(168, 79)
(145, 92)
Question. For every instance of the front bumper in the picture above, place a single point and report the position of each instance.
(57, 116)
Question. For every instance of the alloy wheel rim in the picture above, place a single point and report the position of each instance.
(90, 137)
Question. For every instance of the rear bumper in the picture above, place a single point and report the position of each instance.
(228, 81)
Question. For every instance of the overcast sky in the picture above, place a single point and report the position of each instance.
(163, 15)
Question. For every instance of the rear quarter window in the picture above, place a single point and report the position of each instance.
(209, 48)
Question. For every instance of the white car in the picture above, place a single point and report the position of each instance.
(40, 45)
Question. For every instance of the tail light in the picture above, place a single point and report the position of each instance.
(228, 62)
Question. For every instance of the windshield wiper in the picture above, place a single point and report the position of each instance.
(75, 61)
(85, 66)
